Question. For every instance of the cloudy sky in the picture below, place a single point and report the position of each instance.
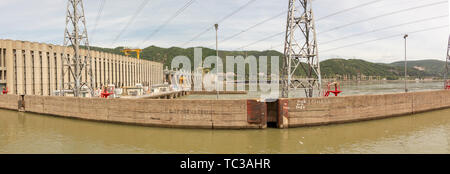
(44, 21)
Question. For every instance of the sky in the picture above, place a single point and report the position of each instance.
(44, 21)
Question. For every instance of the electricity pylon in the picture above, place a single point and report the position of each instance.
(300, 51)
(75, 35)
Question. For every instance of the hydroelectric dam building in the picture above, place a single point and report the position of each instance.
(30, 68)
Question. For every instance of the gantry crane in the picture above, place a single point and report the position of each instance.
(127, 51)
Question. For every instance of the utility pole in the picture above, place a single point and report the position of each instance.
(216, 26)
(406, 67)
(300, 51)
(75, 64)
(447, 66)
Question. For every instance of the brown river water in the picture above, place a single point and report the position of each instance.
(420, 133)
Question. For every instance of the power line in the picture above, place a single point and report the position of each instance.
(220, 21)
(376, 30)
(360, 21)
(387, 37)
(253, 26)
(97, 19)
(349, 9)
(132, 19)
(385, 28)
(324, 17)
(178, 12)
(384, 15)
(266, 38)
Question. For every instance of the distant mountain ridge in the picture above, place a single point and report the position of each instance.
(329, 68)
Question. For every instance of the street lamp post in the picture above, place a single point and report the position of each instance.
(406, 88)
(216, 26)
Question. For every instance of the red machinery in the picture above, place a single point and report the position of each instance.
(447, 85)
(5, 91)
(105, 93)
(336, 91)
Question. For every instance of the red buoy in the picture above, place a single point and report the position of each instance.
(105, 93)
(336, 91)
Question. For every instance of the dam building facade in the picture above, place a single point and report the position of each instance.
(30, 68)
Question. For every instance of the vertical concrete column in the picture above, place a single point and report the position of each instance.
(100, 69)
(111, 68)
(51, 51)
(37, 68)
(120, 71)
(124, 72)
(151, 73)
(138, 71)
(135, 64)
(97, 68)
(131, 71)
(91, 68)
(83, 57)
(45, 70)
(28, 69)
(2, 63)
(68, 77)
(9, 61)
(19, 68)
(146, 72)
(59, 66)
(107, 68)
(141, 71)
(114, 69)
(155, 73)
(125, 69)
(161, 72)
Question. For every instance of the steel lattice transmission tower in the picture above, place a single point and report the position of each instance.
(300, 50)
(75, 64)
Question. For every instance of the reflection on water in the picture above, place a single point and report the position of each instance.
(420, 133)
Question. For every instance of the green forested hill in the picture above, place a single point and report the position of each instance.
(329, 68)
(434, 67)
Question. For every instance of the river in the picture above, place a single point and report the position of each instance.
(420, 133)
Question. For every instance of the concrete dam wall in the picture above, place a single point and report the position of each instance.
(321, 111)
(231, 114)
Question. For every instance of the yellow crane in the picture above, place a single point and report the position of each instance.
(127, 52)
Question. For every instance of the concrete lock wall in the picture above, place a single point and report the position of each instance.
(320, 111)
(222, 114)
(232, 114)
(10, 102)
